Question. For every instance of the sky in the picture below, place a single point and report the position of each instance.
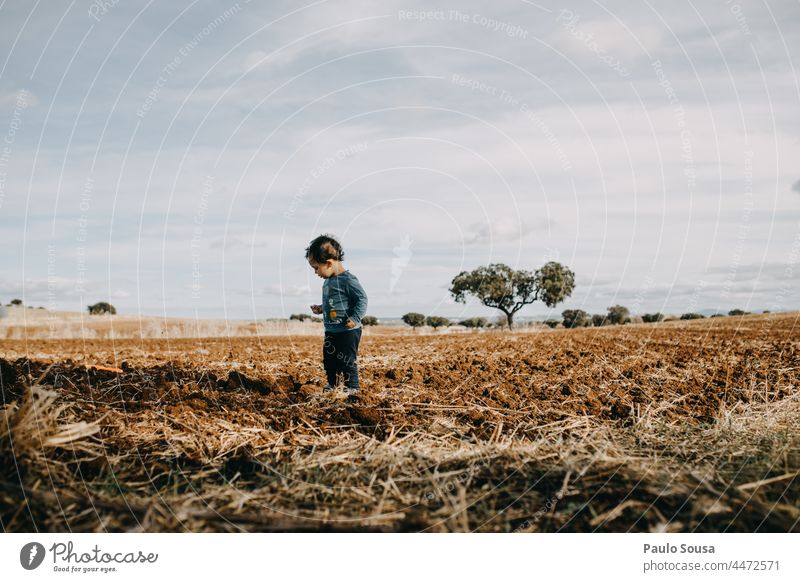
(176, 158)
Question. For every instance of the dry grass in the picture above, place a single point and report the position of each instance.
(33, 324)
(208, 474)
(184, 450)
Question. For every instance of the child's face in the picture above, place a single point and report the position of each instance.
(324, 270)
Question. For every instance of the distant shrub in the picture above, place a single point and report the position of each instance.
(552, 323)
(369, 320)
(652, 317)
(738, 312)
(16, 302)
(618, 315)
(436, 321)
(474, 322)
(300, 317)
(101, 308)
(718, 315)
(414, 319)
(576, 318)
(693, 316)
(599, 320)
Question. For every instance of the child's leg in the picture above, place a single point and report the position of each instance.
(348, 352)
(329, 358)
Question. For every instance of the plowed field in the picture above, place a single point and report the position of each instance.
(678, 426)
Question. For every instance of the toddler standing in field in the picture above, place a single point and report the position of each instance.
(344, 303)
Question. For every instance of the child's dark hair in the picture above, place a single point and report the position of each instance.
(324, 247)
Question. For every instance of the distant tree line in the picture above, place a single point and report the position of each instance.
(19, 303)
(366, 320)
(620, 315)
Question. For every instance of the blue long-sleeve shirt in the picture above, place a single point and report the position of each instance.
(343, 297)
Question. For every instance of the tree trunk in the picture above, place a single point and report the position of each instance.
(510, 318)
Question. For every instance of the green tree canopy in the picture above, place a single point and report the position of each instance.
(576, 318)
(618, 315)
(599, 320)
(693, 316)
(474, 322)
(101, 307)
(414, 319)
(436, 321)
(652, 317)
(501, 287)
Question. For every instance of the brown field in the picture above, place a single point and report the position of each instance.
(679, 426)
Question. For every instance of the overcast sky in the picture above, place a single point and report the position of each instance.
(175, 158)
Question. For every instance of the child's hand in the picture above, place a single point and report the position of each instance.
(316, 309)
(350, 323)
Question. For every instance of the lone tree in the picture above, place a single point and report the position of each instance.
(414, 319)
(576, 318)
(499, 286)
(16, 302)
(436, 321)
(474, 322)
(101, 307)
(618, 315)
(693, 316)
(369, 320)
(652, 317)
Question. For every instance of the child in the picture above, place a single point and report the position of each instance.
(344, 303)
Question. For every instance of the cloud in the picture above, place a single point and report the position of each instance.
(238, 242)
(286, 291)
(505, 230)
(604, 40)
(17, 98)
(595, 166)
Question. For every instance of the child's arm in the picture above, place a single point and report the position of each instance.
(358, 302)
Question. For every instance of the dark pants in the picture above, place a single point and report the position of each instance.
(339, 354)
